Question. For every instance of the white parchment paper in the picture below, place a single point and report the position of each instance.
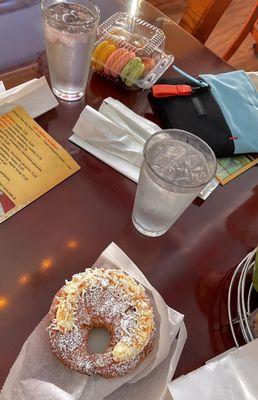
(231, 376)
(38, 375)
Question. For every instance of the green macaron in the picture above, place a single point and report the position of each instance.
(132, 71)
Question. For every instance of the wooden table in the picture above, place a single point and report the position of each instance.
(66, 229)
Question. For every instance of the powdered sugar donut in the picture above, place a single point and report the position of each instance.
(106, 298)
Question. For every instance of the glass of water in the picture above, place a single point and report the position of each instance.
(176, 167)
(70, 29)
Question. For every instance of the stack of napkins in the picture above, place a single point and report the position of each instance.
(34, 96)
(116, 135)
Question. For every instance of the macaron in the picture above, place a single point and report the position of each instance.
(98, 49)
(101, 54)
(132, 71)
(115, 65)
(112, 58)
(148, 63)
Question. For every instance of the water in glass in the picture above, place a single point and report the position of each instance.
(159, 200)
(69, 44)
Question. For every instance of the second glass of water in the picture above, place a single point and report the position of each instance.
(176, 167)
(70, 29)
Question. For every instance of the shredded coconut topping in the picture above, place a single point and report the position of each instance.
(130, 302)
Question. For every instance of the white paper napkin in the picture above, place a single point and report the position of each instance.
(2, 87)
(38, 375)
(116, 135)
(35, 96)
(139, 128)
(231, 376)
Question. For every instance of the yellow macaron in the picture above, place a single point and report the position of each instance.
(101, 54)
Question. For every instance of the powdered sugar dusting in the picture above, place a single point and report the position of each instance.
(102, 298)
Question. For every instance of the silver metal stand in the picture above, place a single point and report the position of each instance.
(244, 291)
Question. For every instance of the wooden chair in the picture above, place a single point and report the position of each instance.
(255, 35)
(251, 25)
(201, 17)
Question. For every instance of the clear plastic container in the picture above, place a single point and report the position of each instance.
(130, 51)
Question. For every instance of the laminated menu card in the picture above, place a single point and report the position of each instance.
(230, 167)
(31, 162)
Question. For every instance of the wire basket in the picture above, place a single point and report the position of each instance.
(243, 297)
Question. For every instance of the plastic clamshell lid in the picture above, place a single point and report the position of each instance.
(141, 60)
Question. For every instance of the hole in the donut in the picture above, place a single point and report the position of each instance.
(130, 309)
(98, 340)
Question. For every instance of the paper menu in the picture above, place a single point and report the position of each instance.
(31, 162)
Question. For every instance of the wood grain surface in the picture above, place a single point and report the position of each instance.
(65, 230)
(224, 32)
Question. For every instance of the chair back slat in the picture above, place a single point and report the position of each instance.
(201, 17)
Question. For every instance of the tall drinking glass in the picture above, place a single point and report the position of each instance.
(70, 29)
(176, 167)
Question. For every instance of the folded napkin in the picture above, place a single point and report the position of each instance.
(231, 376)
(139, 127)
(34, 96)
(116, 135)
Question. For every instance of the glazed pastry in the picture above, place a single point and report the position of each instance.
(101, 54)
(106, 298)
(133, 71)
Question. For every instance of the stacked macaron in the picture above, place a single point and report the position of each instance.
(101, 54)
(119, 62)
(132, 71)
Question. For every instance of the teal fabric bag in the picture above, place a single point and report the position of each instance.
(237, 97)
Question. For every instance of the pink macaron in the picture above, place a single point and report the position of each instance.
(112, 58)
(118, 61)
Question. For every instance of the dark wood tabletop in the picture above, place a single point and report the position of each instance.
(66, 229)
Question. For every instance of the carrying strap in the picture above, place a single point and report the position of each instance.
(160, 90)
(171, 90)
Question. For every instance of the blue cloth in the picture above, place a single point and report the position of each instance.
(238, 99)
